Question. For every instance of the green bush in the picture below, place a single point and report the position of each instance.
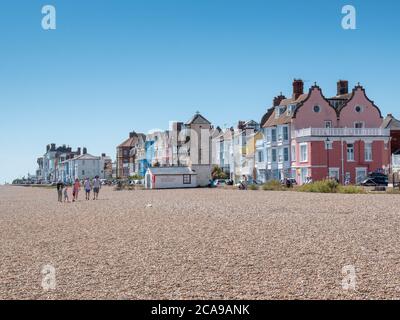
(136, 177)
(253, 187)
(351, 189)
(324, 186)
(273, 185)
(330, 186)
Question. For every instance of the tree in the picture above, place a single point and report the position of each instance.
(218, 173)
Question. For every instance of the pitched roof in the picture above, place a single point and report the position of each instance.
(198, 118)
(128, 143)
(286, 102)
(86, 156)
(171, 171)
(390, 122)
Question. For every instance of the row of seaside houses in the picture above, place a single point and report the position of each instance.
(62, 163)
(303, 136)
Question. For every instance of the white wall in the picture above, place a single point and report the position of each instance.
(203, 174)
(170, 182)
(91, 168)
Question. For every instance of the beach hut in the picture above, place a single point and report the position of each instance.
(170, 178)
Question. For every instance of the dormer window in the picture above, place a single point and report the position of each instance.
(279, 111)
(290, 109)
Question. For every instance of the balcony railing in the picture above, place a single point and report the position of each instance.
(342, 132)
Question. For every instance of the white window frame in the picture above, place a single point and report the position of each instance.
(272, 136)
(301, 152)
(285, 131)
(330, 124)
(272, 155)
(353, 153)
(370, 158)
(336, 171)
(287, 153)
(293, 153)
(358, 122)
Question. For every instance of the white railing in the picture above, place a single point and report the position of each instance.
(342, 132)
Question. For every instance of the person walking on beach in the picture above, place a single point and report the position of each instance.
(60, 187)
(88, 188)
(75, 190)
(66, 197)
(96, 188)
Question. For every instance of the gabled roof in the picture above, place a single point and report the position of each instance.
(359, 87)
(171, 171)
(86, 156)
(314, 87)
(128, 143)
(390, 122)
(198, 119)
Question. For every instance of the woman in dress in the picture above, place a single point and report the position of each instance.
(75, 190)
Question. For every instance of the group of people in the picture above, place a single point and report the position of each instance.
(63, 189)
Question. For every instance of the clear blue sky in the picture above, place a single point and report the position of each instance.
(116, 66)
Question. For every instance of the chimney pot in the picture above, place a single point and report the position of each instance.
(84, 151)
(298, 88)
(342, 87)
(277, 100)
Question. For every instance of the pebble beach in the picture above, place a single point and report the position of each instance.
(198, 244)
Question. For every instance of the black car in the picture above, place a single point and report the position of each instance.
(374, 180)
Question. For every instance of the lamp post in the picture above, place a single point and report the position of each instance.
(327, 154)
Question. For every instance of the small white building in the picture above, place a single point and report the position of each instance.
(170, 178)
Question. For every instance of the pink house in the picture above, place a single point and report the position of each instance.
(339, 137)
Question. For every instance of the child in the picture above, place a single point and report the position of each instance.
(87, 188)
(66, 198)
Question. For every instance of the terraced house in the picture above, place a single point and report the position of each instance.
(311, 136)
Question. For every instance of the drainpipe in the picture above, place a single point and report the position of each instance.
(342, 145)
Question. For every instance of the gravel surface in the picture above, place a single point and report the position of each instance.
(199, 244)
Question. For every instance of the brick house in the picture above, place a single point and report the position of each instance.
(339, 137)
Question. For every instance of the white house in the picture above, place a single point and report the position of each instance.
(81, 167)
(170, 178)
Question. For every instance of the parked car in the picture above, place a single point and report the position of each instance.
(375, 180)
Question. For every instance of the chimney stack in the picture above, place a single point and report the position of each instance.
(48, 148)
(132, 134)
(298, 88)
(53, 147)
(78, 151)
(84, 151)
(277, 100)
(240, 125)
(342, 87)
(103, 155)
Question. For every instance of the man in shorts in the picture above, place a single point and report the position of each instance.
(96, 188)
